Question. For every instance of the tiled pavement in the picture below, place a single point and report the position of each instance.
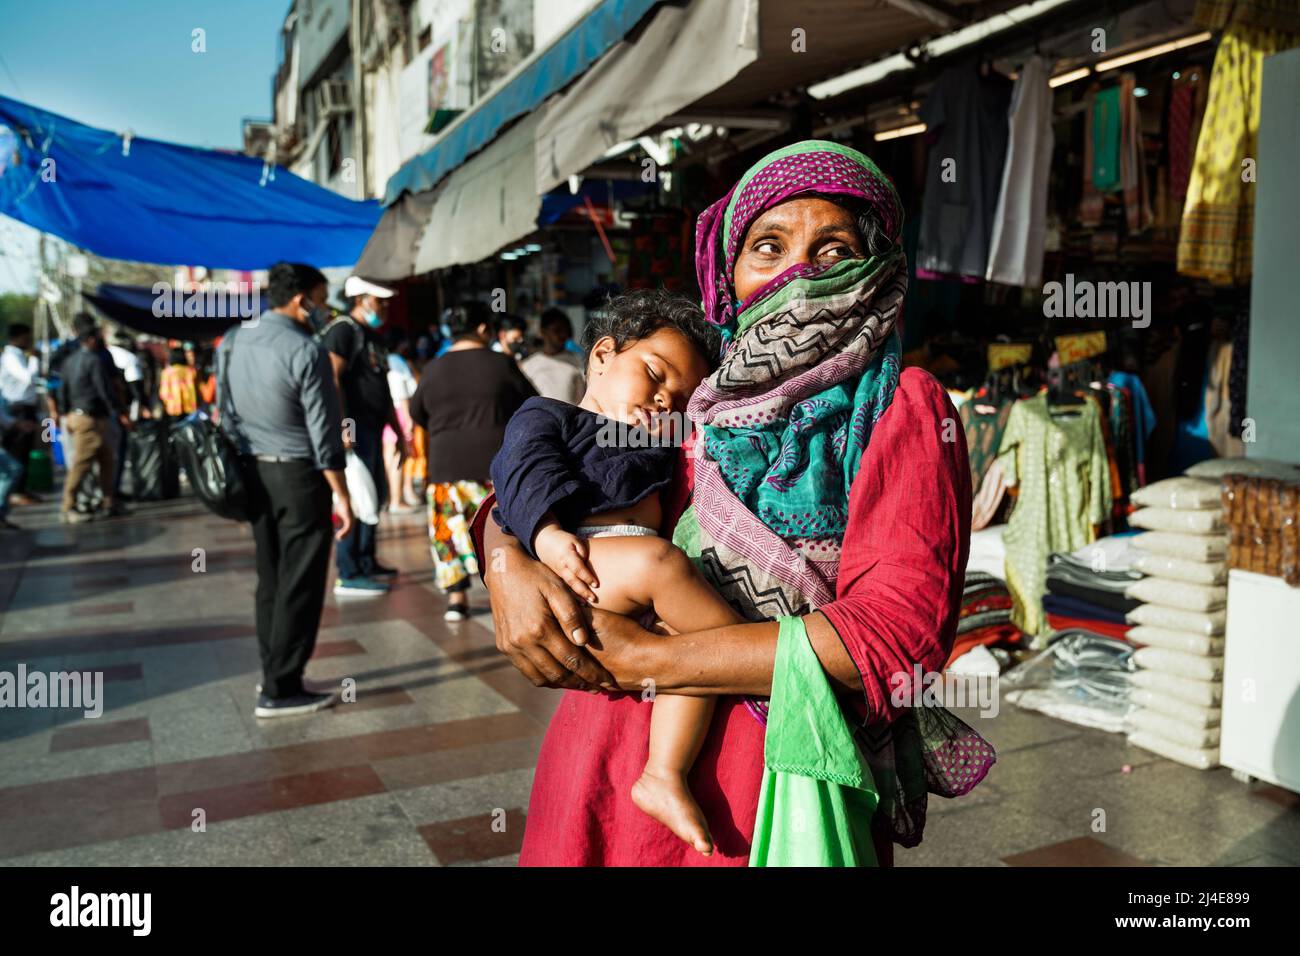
(433, 761)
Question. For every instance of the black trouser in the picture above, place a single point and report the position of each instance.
(20, 443)
(291, 506)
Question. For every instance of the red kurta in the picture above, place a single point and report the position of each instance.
(898, 597)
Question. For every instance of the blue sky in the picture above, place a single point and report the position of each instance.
(128, 64)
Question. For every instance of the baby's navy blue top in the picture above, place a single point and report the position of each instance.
(551, 460)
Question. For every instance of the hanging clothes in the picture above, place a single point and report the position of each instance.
(1215, 239)
(966, 117)
(983, 425)
(1091, 202)
(1144, 418)
(1106, 124)
(1059, 463)
(1020, 219)
(1132, 161)
(1218, 402)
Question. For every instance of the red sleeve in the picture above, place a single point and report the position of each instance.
(903, 563)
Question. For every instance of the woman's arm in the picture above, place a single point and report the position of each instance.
(737, 659)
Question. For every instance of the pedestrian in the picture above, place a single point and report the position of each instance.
(282, 410)
(402, 383)
(178, 388)
(509, 339)
(89, 401)
(555, 371)
(19, 372)
(463, 402)
(10, 469)
(360, 368)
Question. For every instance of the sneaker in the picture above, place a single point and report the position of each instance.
(456, 612)
(304, 703)
(75, 517)
(379, 571)
(360, 586)
(118, 510)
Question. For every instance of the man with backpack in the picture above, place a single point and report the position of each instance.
(360, 366)
(278, 402)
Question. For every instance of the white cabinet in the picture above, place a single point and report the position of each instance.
(1261, 680)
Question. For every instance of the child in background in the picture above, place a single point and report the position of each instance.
(579, 487)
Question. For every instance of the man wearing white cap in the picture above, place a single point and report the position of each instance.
(361, 372)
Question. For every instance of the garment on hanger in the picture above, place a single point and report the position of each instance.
(966, 115)
(983, 424)
(1133, 171)
(1107, 125)
(1144, 418)
(1059, 463)
(1020, 219)
(1215, 238)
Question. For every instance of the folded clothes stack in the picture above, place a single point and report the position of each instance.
(1179, 621)
(985, 615)
(1085, 590)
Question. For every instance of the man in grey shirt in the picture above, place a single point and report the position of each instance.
(277, 399)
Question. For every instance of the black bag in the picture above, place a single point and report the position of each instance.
(151, 463)
(211, 459)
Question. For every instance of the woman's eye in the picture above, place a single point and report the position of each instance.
(767, 247)
(839, 252)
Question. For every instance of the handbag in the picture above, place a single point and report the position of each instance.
(818, 796)
(211, 458)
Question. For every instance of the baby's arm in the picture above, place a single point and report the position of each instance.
(565, 554)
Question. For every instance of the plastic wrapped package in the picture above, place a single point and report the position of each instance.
(1081, 677)
(1173, 729)
(1183, 641)
(1204, 693)
(1198, 758)
(1181, 569)
(1193, 494)
(1190, 714)
(1195, 666)
(1190, 547)
(1185, 522)
(1179, 594)
(1218, 467)
(1210, 623)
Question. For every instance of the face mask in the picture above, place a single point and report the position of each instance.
(518, 349)
(373, 320)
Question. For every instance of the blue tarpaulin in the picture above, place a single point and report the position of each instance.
(570, 57)
(151, 201)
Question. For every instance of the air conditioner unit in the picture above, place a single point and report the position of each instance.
(336, 97)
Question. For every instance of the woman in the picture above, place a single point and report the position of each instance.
(828, 486)
(463, 402)
(401, 385)
(178, 390)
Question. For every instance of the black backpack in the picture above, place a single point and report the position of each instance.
(211, 458)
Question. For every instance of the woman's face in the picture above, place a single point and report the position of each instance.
(808, 231)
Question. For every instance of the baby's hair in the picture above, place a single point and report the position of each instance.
(641, 313)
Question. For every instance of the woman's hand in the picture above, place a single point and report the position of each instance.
(539, 623)
(625, 649)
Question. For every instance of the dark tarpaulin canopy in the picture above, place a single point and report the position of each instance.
(150, 201)
(196, 315)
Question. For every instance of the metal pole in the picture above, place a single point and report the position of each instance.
(358, 97)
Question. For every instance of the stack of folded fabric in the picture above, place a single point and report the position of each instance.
(1085, 593)
(985, 615)
(1180, 622)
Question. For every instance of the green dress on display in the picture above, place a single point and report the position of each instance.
(1059, 461)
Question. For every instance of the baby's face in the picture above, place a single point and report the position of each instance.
(649, 378)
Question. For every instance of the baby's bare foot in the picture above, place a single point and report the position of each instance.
(669, 800)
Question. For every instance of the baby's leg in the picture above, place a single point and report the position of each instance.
(634, 574)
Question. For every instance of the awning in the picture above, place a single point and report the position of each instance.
(194, 317)
(550, 71)
(390, 253)
(490, 201)
(683, 54)
(150, 201)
